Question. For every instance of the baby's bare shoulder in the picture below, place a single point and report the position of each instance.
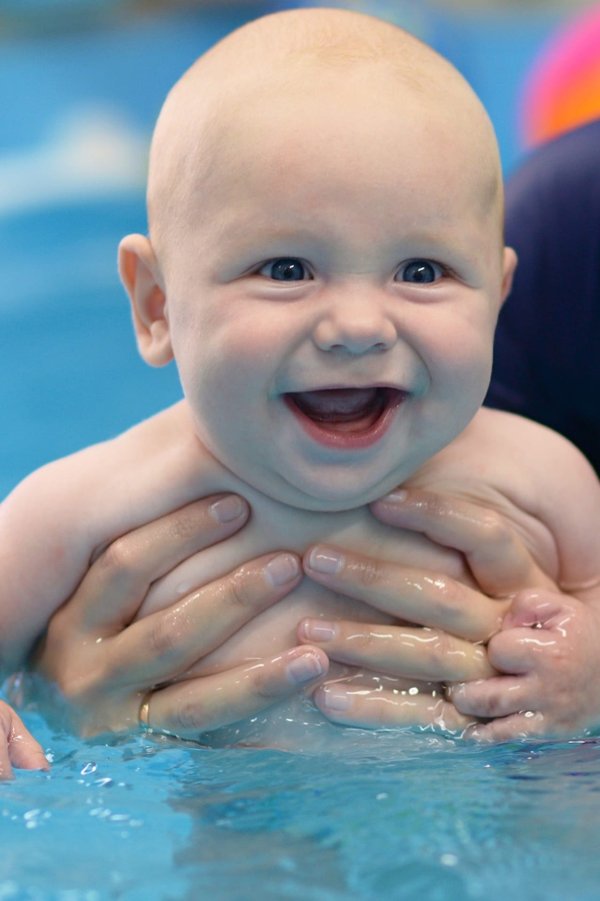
(533, 476)
(60, 516)
(111, 487)
(503, 446)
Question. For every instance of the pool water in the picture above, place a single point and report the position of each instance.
(396, 815)
(392, 815)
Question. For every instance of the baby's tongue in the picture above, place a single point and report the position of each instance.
(336, 404)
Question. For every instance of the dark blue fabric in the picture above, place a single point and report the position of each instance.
(547, 353)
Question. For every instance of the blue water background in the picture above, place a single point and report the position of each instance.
(390, 816)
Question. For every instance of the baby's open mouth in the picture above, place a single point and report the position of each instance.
(345, 410)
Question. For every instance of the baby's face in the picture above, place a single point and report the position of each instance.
(332, 291)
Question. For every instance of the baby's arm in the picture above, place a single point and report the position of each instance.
(17, 746)
(61, 517)
(42, 555)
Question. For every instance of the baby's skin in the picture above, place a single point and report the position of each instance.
(326, 271)
(478, 466)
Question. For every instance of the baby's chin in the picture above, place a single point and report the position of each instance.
(333, 490)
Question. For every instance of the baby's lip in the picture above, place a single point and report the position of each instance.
(348, 416)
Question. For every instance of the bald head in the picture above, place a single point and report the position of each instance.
(315, 51)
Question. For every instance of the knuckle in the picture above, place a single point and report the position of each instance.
(76, 686)
(188, 716)
(368, 573)
(363, 643)
(266, 687)
(490, 704)
(119, 557)
(440, 655)
(184, 524)
(448, 597)
(165, 634)
(454, 605)
(434, 504)
(240, 590)
(494, 529)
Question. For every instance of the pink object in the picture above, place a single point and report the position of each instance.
(562, 90)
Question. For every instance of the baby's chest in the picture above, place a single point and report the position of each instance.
(272, 529)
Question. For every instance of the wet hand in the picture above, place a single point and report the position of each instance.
(18, 747)
(549, 685)
(111, 670)
(450, 623)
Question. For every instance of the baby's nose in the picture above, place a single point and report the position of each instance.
(357, 325)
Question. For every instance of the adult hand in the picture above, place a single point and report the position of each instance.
(18, 747)
(458, 620)
(113, 670)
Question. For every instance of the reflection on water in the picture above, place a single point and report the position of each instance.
(398, 815)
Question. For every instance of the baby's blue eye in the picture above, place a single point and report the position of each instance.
(286, 269)
(420, 272)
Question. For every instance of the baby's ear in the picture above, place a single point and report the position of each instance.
(509, 264)
(141, 276)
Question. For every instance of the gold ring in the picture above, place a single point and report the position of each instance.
(144, 713)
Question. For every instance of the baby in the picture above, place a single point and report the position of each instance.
(325, 263)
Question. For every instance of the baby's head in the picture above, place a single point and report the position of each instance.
(325, 259)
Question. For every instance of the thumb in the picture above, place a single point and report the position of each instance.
(536, 608)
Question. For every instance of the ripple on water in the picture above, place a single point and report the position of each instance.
(436, 817)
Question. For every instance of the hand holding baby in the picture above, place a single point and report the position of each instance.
(530, 680)
(540, 672)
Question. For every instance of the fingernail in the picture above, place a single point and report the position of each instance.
(304, 668)
(334, 699)
(325, 560)
(281, 569)
(317, 630)
(226, 509)
(398, 496)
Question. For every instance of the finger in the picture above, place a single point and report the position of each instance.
(165, 644)
(18, 747)
(200, 705)
(402, 651)
(119, 579)
(533, 608)
(388, 709)
(497, 557)
(492, 698)
(515, 651)
(511, 728)
(429, 599)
